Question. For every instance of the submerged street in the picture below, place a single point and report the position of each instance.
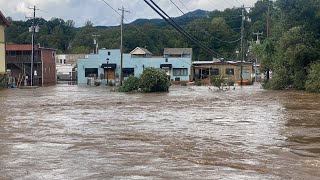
(71, 132)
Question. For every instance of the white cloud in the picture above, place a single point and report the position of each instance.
(100, 14)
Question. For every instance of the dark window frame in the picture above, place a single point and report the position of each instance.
(230, 71)
(127, 72)
(214, 71)
(91, 72)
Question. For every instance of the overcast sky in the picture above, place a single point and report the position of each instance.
(100, 14)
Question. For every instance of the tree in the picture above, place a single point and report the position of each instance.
(154, 80)
(313, 82)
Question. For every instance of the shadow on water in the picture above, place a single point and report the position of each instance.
(71, 132)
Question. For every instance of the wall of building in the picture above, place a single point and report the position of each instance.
(247, 71)
(138, 64)
(48, 67)
(70, 59)
(2, 50)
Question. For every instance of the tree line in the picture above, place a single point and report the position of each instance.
(289, 50)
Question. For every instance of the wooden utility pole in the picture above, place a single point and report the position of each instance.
(121, 46)
(242, 46)
(33, 29)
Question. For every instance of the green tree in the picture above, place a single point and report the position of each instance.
(154, 80)
(313, 82)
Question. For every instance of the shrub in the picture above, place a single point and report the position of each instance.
(154, 80)
(97, 83)
(198, 82)
(313, 82)
(217, 81)
(183, 84)
(130, 84)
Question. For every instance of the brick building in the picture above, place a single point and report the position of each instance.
(19, 62)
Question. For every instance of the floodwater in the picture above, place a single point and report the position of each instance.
(70, 132)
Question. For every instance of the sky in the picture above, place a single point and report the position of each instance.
(100, 14)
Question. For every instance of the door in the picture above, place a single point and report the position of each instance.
(109, 74)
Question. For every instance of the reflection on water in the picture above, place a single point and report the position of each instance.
(70, 132)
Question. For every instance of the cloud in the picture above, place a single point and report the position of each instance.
(100, 14)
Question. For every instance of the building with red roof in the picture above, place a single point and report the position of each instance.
(19, 62)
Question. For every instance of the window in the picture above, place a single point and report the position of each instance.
(214, 72)
(230, 71)
(180, 71)
(166, 59)
(64, 61)
(127, 72)
(60, 61)
(12, 53)
(91, 72)
(26, 53)
(109, 53)
(205, 73)
(53, 54)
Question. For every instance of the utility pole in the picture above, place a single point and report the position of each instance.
(268, 24)
(121, 46)
(33, 29)
(258, 34)
(242, 47)
(95, 41)
(268, 34)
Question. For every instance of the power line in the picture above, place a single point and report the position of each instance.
(167, 18)
(177, 7)
(111, 7)
(184, 5)
(238, 2)
(138, 28)
(230, 42)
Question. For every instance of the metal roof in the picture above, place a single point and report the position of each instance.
(177, 51)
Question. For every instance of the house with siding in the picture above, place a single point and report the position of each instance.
(203, 70)
(19, 62)
(106, 66)
(3, 24)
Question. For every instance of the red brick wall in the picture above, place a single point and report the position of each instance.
(49, 67)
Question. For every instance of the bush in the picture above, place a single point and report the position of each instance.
(183, 84)
(313, 82)
(154, 80)
(217, 81)
(97, 83)
(130, 84)
(198, 82)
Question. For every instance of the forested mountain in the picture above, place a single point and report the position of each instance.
(290, 45)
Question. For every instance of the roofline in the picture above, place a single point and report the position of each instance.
(36, 46)
(141, 50)
(6, 22)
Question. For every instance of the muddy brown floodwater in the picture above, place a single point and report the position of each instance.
(70, 132)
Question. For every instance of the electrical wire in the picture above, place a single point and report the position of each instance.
(177, 7)
(139, 29)
(167, 18)
(206, 32)
(184, 5)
